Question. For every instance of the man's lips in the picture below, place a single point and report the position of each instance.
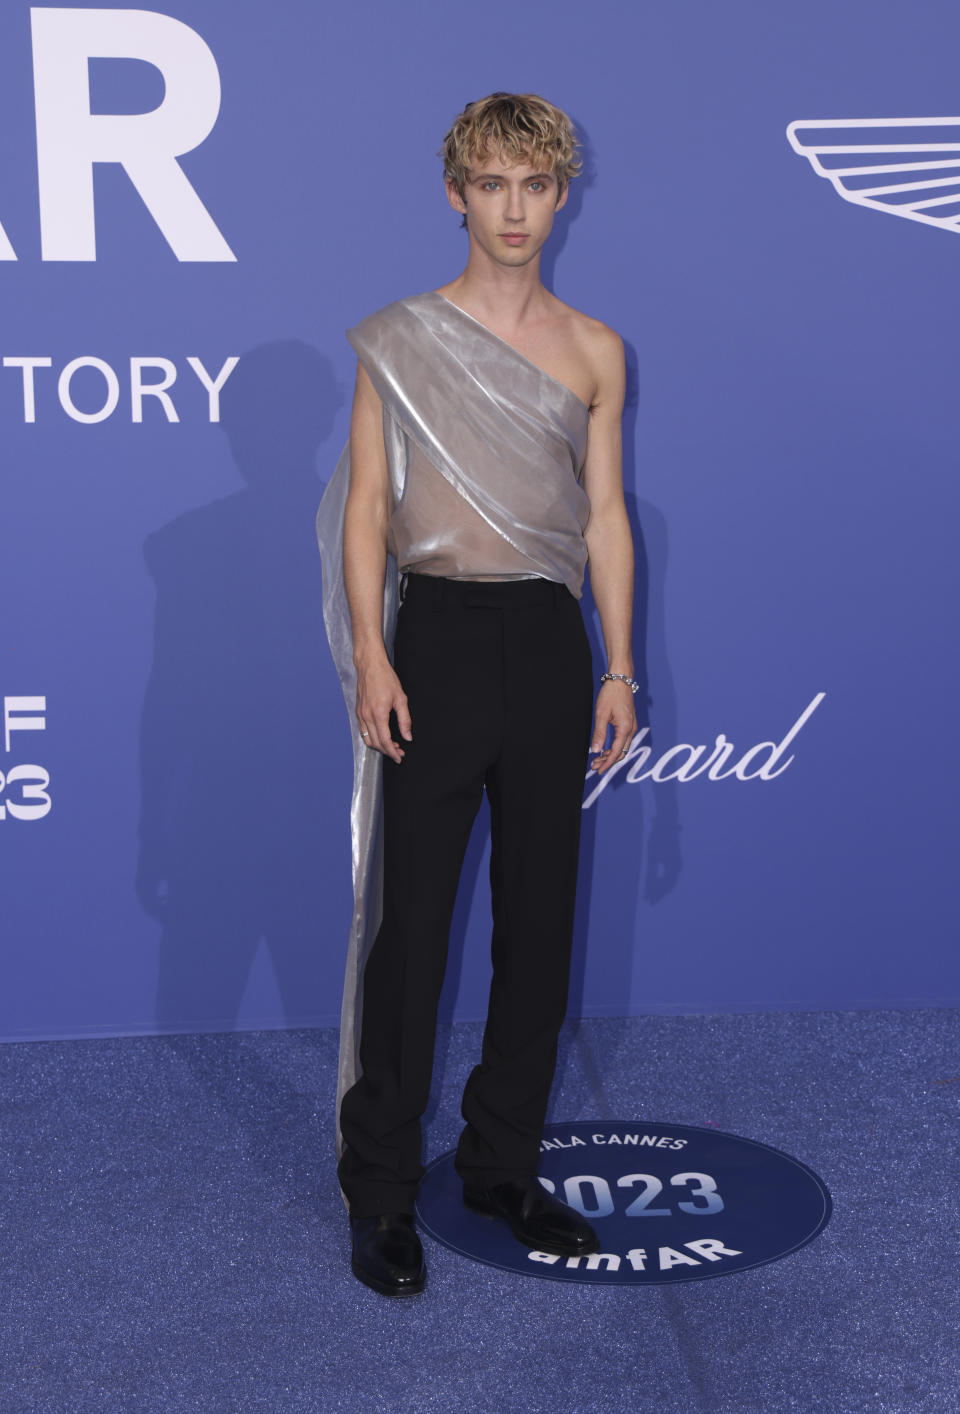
(514, 237)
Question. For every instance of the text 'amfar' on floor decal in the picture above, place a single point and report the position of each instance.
(669, 1202)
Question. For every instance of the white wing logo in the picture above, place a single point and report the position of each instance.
(905, 166)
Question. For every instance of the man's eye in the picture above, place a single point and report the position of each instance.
(490, 186)
(536, 186)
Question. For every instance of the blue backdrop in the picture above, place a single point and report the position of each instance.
(175, 752)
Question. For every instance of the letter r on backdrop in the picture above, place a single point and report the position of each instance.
(70, 139)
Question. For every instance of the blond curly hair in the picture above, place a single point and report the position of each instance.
(519, 127)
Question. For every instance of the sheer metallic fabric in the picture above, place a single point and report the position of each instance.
(510, 440)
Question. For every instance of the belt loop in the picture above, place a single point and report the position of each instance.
(403, 586)
(438, 592)
(557, 593)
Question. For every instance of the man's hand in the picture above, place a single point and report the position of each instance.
(378, 693)
(614, 709)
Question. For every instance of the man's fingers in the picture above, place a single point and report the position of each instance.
(386, 744)
(599, 733)
(368, 731)
(375, 731)
(623, 734)
(379, 695)
(403, 718)
(621, 744)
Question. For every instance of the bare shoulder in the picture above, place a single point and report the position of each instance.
(597, 345)
(589, 332)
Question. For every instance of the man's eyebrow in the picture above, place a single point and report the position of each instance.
(496, 176)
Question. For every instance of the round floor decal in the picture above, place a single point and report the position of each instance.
(669, 1202)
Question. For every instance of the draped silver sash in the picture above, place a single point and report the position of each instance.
(511, 440)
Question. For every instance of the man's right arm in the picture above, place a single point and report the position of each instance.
(364, 566)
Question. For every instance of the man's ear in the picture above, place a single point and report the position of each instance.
(455, 199)
(563, 199)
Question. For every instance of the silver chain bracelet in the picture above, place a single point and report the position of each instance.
(620, 677)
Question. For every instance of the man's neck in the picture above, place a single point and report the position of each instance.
(501, 297)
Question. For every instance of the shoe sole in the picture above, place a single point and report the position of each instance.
(384, 1288)
(533, 1243)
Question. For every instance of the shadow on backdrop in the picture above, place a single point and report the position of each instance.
(568, 213)
(235, 722)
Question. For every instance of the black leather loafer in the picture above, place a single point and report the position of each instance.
(387, 1254)
(536, 1218)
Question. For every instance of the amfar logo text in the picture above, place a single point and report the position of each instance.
(70, 139)
(23, 788)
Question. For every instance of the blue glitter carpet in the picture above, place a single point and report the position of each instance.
(174, 1242)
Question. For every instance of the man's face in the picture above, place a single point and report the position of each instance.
(509, 209)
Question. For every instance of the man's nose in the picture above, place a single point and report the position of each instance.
(515, 208)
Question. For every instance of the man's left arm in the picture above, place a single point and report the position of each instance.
(610, 552)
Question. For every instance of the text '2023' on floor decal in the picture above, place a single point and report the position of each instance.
(669, 1202)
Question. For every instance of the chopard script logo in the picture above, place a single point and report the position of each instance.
(685, 762)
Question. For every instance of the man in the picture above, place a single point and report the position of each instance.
(484, 466)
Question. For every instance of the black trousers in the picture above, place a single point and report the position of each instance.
(500, 684)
